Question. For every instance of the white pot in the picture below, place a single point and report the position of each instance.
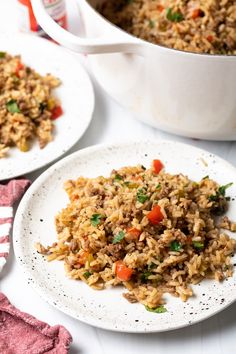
(183, 93)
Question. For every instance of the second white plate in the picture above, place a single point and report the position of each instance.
(75, 92)
(107, 309)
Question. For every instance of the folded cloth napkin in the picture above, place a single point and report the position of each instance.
(21, 333)
(9, 194)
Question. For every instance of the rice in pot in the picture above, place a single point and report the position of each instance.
(200, 26)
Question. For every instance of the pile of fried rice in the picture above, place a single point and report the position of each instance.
(151, 231)
(27, 106)
(201, 26)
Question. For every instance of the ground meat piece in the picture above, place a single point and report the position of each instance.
(130, 297)
(225, 223)
(73, 245)
(116, 251)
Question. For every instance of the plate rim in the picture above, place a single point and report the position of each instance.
(27, 169)
(43, 177)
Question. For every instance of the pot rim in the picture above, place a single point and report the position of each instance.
(162, 47)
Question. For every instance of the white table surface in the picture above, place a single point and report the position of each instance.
(111, 123)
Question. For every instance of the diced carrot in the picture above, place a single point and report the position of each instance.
(123, 273)
(75, 197)
(133, 233)
(157, 166)
(56, 112)
(83, 257)
(19, 67)
(160, 8)
(210, 38)
(155, 216)
(196, 13)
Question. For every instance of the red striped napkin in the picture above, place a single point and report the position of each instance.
(21, 333)
(9, 194)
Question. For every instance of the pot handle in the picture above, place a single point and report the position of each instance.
(77, 44)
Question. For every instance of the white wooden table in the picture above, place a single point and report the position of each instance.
(110, 124)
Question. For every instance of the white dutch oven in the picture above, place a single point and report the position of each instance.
(183, 93)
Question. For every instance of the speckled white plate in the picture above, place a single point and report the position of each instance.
(76, 95)
(108, 309)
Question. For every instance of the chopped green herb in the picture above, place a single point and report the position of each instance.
(119, 237)
(151, 266)
(158, 186)
(221, 192)
(145, 275)
(96, 219)
(206, 177)
(141, 197)
(213, 197)
(175, 246)
(152, 23)
(174, 16)
(12, 106)
(2, 54)
(87, 274)
(143, 167)
(159, 309)
(222, 189)
(127, 183)
(198, 245)
(225, 267)
(118, 177)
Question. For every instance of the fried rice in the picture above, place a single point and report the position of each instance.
(146, 229)
(201, 26)
(27, 107)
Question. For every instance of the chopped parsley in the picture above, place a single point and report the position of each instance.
(158, 186)
(119, 237)
(141, 197)
(206, 177)
(118, 178)
(151, 265)
(2, 54)
(12, 106)
(96, 219)
(148, 271)
(213, 197)
(175, 246)
(174, 16)
(222, 189)
(87, 274)
(145, 275)
(221, 192)
(152, 23)
(198, 245)
(159, 309)
(127, 183)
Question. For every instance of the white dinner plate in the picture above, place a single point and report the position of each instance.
(75, 92)
(107, 309)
